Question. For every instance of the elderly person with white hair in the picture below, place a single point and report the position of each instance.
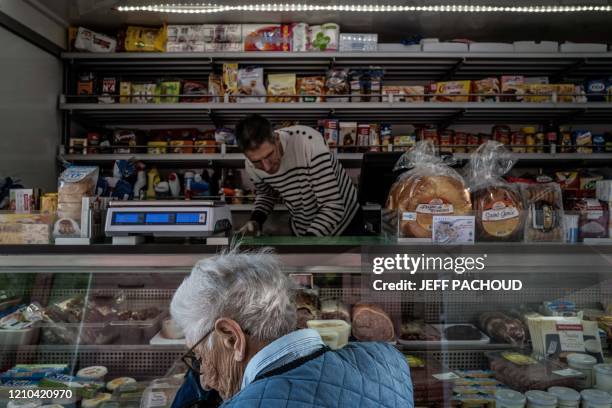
(239, 319)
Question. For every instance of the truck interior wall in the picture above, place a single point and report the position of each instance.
(31, 80)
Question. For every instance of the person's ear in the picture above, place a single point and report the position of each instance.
(232, 337)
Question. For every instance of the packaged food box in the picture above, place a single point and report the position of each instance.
(512, 86)
(522, 372)
(453, 91)
(445, 47)
(87, 40)
(267, 37)
(583, 47)
(323, 37)
(25, 229)
(539, 93)
(358, 42)
(168, 91)
(223, 47)
(487, 90)
(533, 46)
(566, 93)
(491, 47)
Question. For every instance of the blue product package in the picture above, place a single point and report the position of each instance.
(599, 143)
(596, 90)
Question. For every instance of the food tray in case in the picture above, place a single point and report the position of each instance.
(21, 337)
(138, 331)
(522, 372)
(484, 339)
(114, 332)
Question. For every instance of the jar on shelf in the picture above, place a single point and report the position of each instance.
(529, 133)
(603, 377)
(509, 399)
(583, 363)
(566, 397)
(540, 399)
(596, 399)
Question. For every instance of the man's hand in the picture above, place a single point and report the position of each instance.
(250, 228)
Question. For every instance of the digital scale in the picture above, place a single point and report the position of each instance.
(127, 222)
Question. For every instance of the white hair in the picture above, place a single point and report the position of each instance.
(248, 287)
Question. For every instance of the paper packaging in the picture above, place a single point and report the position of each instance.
(299, 37)
(24, 229)
(330, 132)
(453, 229)
(21, 200)
(87, 40)
(74, 183)
(324, 37)
(358, 42)
(267, 37)
(348, 134)
(453, 91)
(511, 85)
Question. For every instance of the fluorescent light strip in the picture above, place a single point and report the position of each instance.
(445, 8)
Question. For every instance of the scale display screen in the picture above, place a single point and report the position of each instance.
(126, 218)
(159, 218)
(191, 218)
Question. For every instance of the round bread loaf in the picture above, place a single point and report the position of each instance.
(427, 196)
(499, 213)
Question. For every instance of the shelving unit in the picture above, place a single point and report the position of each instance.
(116, 115)
(347, 159)
(397, 65)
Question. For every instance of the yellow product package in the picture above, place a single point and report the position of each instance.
(281, 88)
(230, 80)
(144, 39)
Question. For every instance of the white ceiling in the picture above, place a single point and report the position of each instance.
(98, 14)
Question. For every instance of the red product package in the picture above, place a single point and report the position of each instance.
(593, 218)
(446, 141)
(460, 141)
(502, 134)
(429, 133)
(267, 37)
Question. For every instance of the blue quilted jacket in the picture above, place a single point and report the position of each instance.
(365, 375)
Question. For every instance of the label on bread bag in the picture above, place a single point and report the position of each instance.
(500, 211)
(435, 206)
(408, 216)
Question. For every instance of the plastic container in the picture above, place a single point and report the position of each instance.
(603, 377)
(137, 331)
(19, 337)
(540, 399)
(94, 373)
(24, 404)
(77, 333)
(340, 326)
(330, 338)
(96, 401)
(509, 399)
(566, 397)
(596, 399)
(583, 363)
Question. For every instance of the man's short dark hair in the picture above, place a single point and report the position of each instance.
(252, 131)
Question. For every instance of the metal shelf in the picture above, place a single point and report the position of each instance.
(309, 113)
(429, 66)
(347, 159)
(229, 159)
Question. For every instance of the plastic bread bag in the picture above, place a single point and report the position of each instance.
(143, 39)
(429, 187)
(544, 207)
(498, 206)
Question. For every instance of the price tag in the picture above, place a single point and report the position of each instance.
(446, 376)
(568, 372)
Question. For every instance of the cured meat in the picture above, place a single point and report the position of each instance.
(419, 331)
(371, 323)
(503, 328)
(462, 332)
(332, 309)
(307, 305)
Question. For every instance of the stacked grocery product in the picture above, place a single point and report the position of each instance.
(291, 37)
(429, 195)
(249, 84)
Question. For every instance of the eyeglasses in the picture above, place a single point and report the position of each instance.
(190, 359)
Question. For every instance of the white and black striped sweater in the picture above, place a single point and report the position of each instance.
(319, 194)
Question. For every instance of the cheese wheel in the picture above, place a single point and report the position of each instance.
(426, 196)
(499, 213)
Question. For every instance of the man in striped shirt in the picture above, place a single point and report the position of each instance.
(295, 164)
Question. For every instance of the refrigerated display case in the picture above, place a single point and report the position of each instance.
(145, 278)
